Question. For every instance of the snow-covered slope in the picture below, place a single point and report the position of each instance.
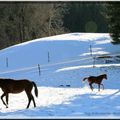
(60, 48)
(64, 61)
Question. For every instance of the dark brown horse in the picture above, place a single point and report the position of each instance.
(96, 80)
(17, 86)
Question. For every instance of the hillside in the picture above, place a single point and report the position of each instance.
(64, 61)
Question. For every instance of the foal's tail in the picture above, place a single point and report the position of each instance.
(85, 79)
(36, 90)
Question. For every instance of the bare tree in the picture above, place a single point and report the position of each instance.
(26, 21)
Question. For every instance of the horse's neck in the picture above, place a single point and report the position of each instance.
(101, 77)
(1, 83)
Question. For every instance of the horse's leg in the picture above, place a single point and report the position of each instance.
(33, 100)
(28, 92)
(7, 96)
(103, 86)
(98, 87)
(29, 100)
(30, 97)
(91, 86)
(3, 100)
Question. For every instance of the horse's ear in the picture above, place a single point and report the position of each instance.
(106, 76)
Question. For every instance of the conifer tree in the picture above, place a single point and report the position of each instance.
(113, 17)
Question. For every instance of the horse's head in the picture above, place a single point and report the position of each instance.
(105, 76)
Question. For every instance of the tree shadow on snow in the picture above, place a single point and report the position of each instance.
(82, 105)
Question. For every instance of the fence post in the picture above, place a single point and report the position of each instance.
(91, 50)
(6, 61)
(48, 57)
(39, 70)
(92, 56)
(93, 61)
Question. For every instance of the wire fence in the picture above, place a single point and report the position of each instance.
(40, 68)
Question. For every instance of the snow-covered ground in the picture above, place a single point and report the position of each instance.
(64, 61)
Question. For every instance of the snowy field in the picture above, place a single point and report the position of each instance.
(64, 61)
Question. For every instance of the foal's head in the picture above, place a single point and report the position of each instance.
(105, 76)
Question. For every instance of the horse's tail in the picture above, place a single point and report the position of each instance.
(36, 90)
(85, 79)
